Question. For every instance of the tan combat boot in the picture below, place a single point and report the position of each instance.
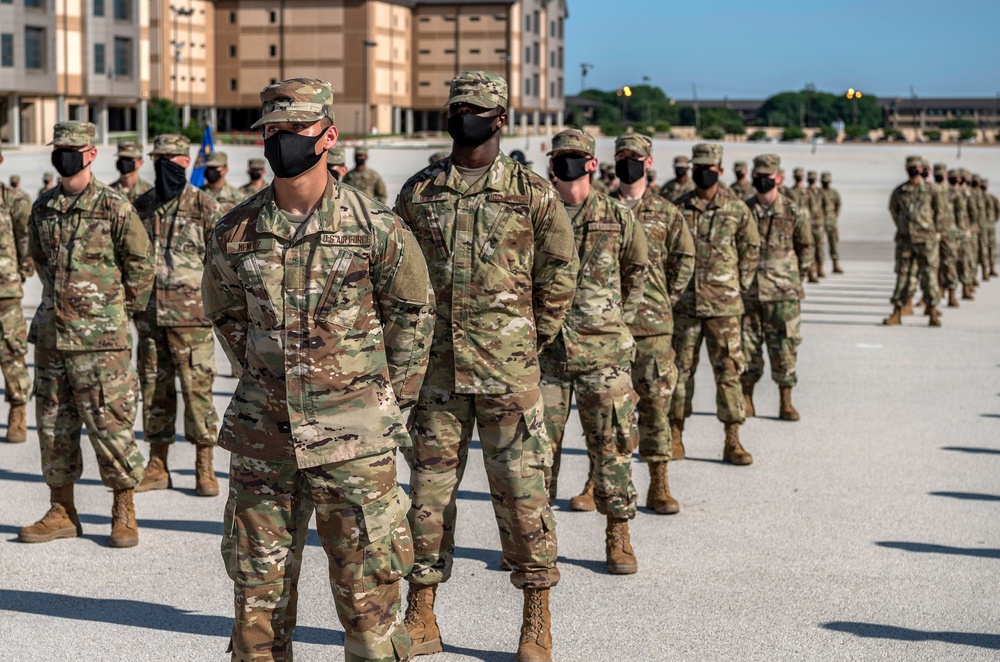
(907, 309)
(157, 476)
(786, 410)
(60, 522)
(819, 270)
(967, 293)
(734, 453)
(993, 270)
(536, 627)
(986, 274)
(17, 424)
(894, 319)
(584, 501)
(748, 409)
(812, 276)
(676, 439)
(935, 315)
(205, 481)
(124, 530)
(658, 498)
(420, 622)
(952, 299)
(836, 266)
(618, 545)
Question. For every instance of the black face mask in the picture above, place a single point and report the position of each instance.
(953, 181)
(763, 183)
(360, 161)
(468, 130)
(170, 179)
(939, 178)
(290, 154)
(255, 175)
(629, 171)
(827, 184)
(212, 175)
(67, 162)
(704, 178)
(333, 171)
(925, 173)
(798, 180)
(740, 174)
(811, 182)
(569, 168)
(125, 166)
(913, 171)
(680, 173)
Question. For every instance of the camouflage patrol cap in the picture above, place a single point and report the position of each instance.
(48, 176)
(217, 160)
(572, 140)
(73, 134)
(606, 168)
(15, 180)
(651, 174)
(954, 173)
(336, 156)
(766, 164)
(129, 149)
(940, 168)
(478, 88)
(361, 150)
(799, 172)
(811, 174)
(636, 142)
(975, 178)
(171, 144)
(826, 177)
(681, 161)
(296, 100)
(984, 182)
(256, 164)
(964, 173)
(438, 156)
(706, 154)
(914, 161)
(741, 165)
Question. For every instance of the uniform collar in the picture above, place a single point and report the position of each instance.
(497, 177)
(326, 218)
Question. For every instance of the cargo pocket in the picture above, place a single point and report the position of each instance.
(734, 345)
(626, 430)
(230, 555)
(387, 540)
(536, 449)
(12, 327)
(203, 357)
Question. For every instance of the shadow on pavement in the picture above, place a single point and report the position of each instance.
(491, 559)
(37, 478)
(990, 415)
(972, 449)
(968, 496)
(878, 631)
(922, 547)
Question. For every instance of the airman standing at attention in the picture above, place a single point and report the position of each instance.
(226, 195)
(127, 163)
(96, 267)
(960, 209)
(336, 162)
(48, 182)
(15, 183)
(499, 249)
(364, 178)
(831, 215)
(742, 187)
(255, 171)
(981, 223)
(991, 226)
(945, 222)
(681, 183)
(175, 336)
(817, 220)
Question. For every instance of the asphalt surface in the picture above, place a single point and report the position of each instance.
(866, 531)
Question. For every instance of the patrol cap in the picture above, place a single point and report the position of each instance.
(826, 177)
(964, 173)
(48, 176)
(811, 174)
(171, 144)
(681, 161)
(606, 168)
(336, 156)
(706, 154)
(954, 173)
(914, 161)
(765, 164)
(296, 100)
(255, 164)
(940, 168)
(129, 149)
(15, 180)
(636, 142)
(438, 156)
(217, 160)
(975, 177)
(478, 88)
(799, 172)
(651, 173)
(73, 134)
(572, 140)
(742, 165)
(361, 150)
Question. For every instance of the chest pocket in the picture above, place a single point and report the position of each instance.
(188, 235)
(601, 246)
(509, 243)
(428, 228)
(347, 289)
(263, 294)
(90, 240)
(719, 228)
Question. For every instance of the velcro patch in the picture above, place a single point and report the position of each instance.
(249, 246)
(432, 198)
(511, 199)
(346, 240)
(604, 227)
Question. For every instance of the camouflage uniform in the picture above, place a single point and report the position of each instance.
(15, 267)
(367, 181)
(727, 249)
(742, 189)
(831, 212)
(500, 254)
(226, 196)
(675, 188)
(947, 229)
(48, 183)
(913, 209)
(817, 218)
(254, 186)
(95, 263)
(129, 149)
(982, 224)
(772, 314)
(326, 324)
(175, 336)
(991, 226)
(15, 185)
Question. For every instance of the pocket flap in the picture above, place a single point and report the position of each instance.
(383, 515)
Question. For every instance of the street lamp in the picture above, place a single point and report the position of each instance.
(585, 67)
(364, 109)
(854, 95)
(649, 112)
(624, 93)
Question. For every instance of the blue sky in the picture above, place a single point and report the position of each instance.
(731, 49)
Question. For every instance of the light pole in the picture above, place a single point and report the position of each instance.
(649, 113)
(624, 93)
(585, 67)
(854, 95)
(364, 108)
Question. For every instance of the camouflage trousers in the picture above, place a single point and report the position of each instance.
(984, 245)
(963, 262)
(833, 238)
(167, 353)
(991, 244)
(654, 377)
(606, 404)
(515, 452)
(13, 347)
(920, 258)
(818, 230)
(723, 339)
(948, 256)
(93, 389)
(361, 521)
(975, 250)
(776, 324)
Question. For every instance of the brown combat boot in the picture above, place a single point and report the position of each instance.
(952, 299)
(205, 481)
(894, 319)
(734, 453)
(993, 270)
(60, 522)
(786, 410)
(935, 317)
(17, 424)
(124, 530)
(618, 545)
(157, 476)
(967, 293)
(748, 400)
(584, 501)
(812, 276)
(536, 627)
(907, 309)
(836, 266)
(819, 270)
(658, 498)
(927, 309)
(986, 274)
(676, 439)
(420, 622)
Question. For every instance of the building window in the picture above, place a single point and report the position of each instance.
(474, 51)
(274, 81)
(561, 58)
(98, 7)
(99, 66)
(535, 59)
(123, 57)
(34, 48)
(232, 84)
(425, 51)
(449, 19)
(232, 18)
(6, 2)
(34, 4)
(232, 51)
(424, 83)
(552, 59)
(7, 50)
(552, 28)
(560, 27)
(449, 51)
(527, 87)
(273, 50)
(552, 90)
(424, 19)
(272, 17)
(123, 10)
(474, 19)
(527, 22)
(560, 87)
(535, 87)
(537, 21)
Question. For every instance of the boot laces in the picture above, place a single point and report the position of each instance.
(534, 618)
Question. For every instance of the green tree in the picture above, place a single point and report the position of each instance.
(967, 134)
(818, 108)
(958, 124)
(728, 119)
(757, 136)
(647, 105)
(890, 133)
(826, 132)
(792, 133)
(161, 117)
(933, 135)
(856, 132)
(713, 132)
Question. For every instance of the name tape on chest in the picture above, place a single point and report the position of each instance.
(248, 246)
(509, 199)
(440, 197)
(603, 227)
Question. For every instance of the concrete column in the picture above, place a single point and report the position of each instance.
(102, 121)
(61, 108)
(397, 119)
(186, 116)
(409, 122)
(559, 122)
(524, 124)
(213, 118)
(511, 125)
(143, 119)
(15, 119)
(548, 124)
(536, 123)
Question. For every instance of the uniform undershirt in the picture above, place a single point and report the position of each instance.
(573, 210)
(471, 175)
